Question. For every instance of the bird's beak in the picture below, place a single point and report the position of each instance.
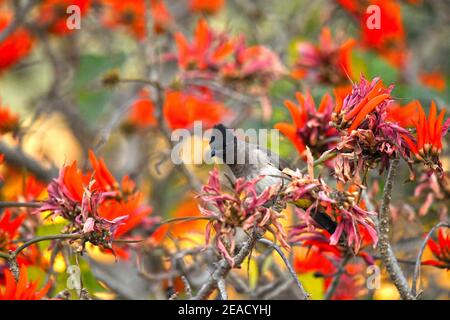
(213, 152)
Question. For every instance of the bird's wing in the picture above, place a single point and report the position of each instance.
(275, 159)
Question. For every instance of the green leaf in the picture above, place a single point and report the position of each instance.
(372, 65)
(46, 230)
(92, 98)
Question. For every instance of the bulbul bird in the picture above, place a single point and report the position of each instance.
(249, 161)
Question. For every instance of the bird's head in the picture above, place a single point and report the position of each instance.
(222, 141)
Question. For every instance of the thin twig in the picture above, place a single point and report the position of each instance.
(337, 277)
(46, 238)
(419, 255)
(12, 255)
(183, 219)
(384, 245)
(15, 204)
(288, 265)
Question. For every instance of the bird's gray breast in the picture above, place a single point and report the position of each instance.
(258, 163)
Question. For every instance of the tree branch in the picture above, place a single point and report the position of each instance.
(384, 246)
(14, 204)
(16, 157)
(12, 255)
(223, 267)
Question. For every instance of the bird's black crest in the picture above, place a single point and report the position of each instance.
(222, 129)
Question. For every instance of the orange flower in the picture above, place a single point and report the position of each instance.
(182, 109)
(391, 30)
(131, 14)
(206, 51)
(73, 181)
(53, 14)
(311, 125)
(9, 229)
(429, 134)
(326, 62)
(142, 111)
(104, 180)
(131, 206)
(253, 61)
(434, 80)
(32, 188)
(206, 6)
(162, 19)
(9, 122)
(22, 289)
(364, 99)
(403, 115)
(16, 46)
(313, 260)
(95, 204)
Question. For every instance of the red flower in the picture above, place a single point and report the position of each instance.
(366, 134)
(53, 14)
(104, 180)
(313, 195)
(314, 260)
(325, 62)
(363, 100)
(403, 115)
(9, 229)
(429, 133)
(321, 263)
(131, 14)
(16, 46)
(111, 209)
(206, 6)
(242, 207)
(441, 251)
(182, 109)
(142, 111)
(311, 125)
(94, 204)
(391, 30)
(9, 122)
(32, 189)
(207, 51)
(389, 39)
(434, 80)
(253, 62)
(22, 289)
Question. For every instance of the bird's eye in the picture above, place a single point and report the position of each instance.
(213, 138)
